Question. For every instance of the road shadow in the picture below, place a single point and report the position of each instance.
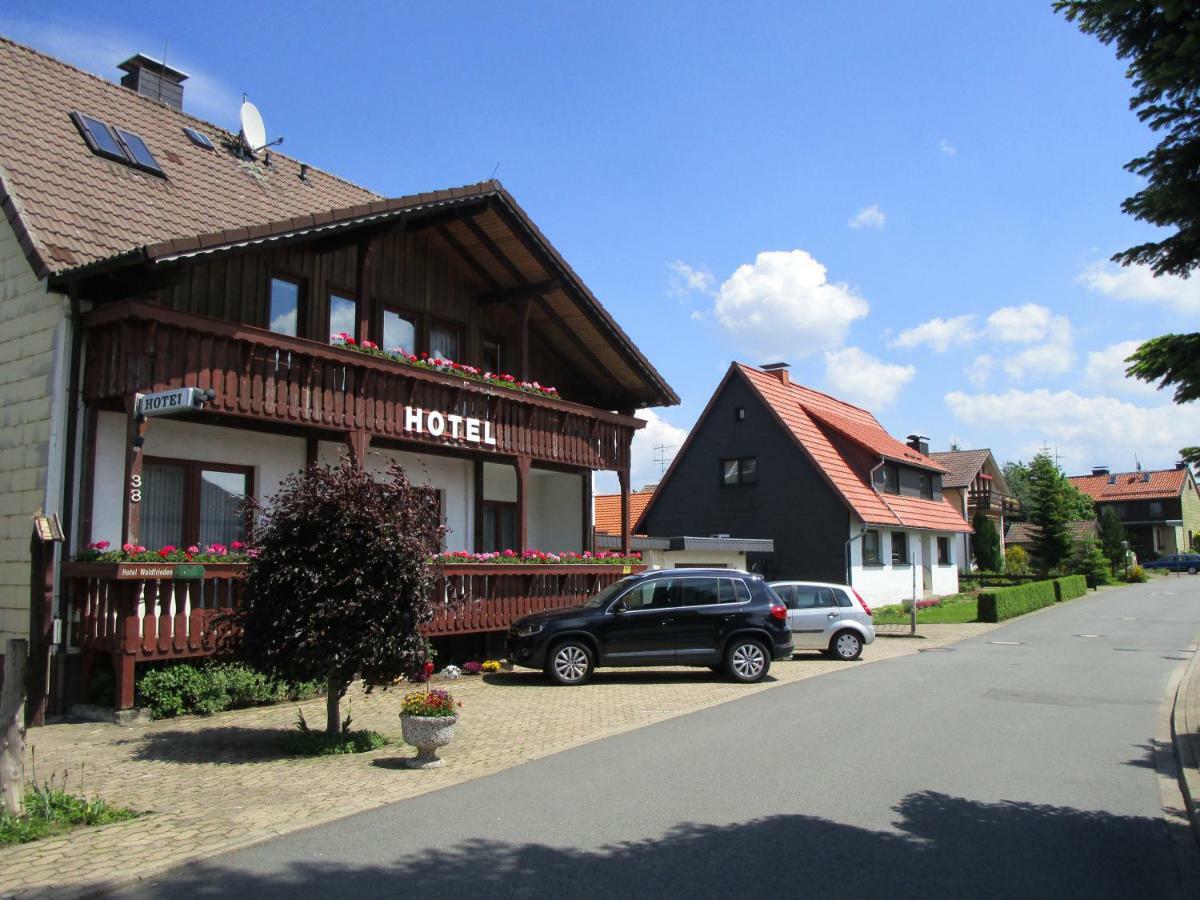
(940, 846)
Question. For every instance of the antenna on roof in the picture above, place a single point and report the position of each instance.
(254, 132)
(494, 171)
(660, 457)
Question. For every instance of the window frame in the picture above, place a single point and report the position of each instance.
(331, 291)
(907, 559)
(458, 327)
(497, 530)
(152, 167)
(484, 340)
(85, 130)
(877, 558)
(192, 469)
(404, 312)
(741, 471)
(890, 485)
(943, 541)
(301, 284)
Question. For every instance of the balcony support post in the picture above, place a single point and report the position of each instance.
(358, 442)
(588, 529)
(523, 310)
(623, 477)
(522, 467)
(131, 501)
(477, 519)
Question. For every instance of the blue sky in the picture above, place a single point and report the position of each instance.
(911, 203)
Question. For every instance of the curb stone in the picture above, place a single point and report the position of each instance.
(1185, 734)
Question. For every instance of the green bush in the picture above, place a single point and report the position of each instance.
(1136, 575)
(50, 810)
(322, 743)
(1069, 587)
(1005, 603)
(212, 687)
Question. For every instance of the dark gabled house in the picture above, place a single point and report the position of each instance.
(840, 497)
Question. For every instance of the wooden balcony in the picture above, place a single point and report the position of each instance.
(991, 502)
(315, 388)
(140, 612)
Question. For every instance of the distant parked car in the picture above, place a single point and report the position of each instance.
(721, 618)
(832, 618)
(1176, 562)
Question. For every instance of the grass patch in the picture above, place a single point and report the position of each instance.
(320, 743)
(953, 610)
(50, 811)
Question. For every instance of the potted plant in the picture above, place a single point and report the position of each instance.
(427, 719)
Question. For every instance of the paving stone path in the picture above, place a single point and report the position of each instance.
(209, 785)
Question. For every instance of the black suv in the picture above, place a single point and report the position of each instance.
(720, 618)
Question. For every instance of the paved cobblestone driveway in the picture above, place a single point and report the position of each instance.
(217, 783)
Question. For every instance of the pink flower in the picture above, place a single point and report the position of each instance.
(193, 550)
(236, 545)
(141, 549)
(369, 345)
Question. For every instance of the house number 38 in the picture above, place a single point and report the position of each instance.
(135, 489)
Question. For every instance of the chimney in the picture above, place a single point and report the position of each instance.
(779, 370)
(1145, 478)
(154, 79)
(1181, 465)
(1099, 470)
(919, 442)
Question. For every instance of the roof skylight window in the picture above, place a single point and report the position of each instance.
(139, 154)
(199, 139)
(116, 144)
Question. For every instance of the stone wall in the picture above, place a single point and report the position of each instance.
(33, 350)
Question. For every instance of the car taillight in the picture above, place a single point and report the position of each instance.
(861, 602)
(779, 611)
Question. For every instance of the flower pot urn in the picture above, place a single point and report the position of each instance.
(427, 733)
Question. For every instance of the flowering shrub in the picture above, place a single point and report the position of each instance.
(450, 673)
(472, 667)
(430, 704)
(103, 551)
(491, 665)
(437, 364)
(539, 557)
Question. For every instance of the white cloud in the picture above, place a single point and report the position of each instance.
(1105, 370)
(980, 369)
(1138, 284)
(1047, 334)
(98, 49)
(940, 334)
(1085, 429)
(686, 280)
(947, 148)
(782, 306)
(860, 378)
(868, 217)
(645, 467)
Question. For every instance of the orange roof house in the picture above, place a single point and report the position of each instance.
(772, 457)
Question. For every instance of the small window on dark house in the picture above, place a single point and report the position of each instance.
(739, 471)
(1156, 509)
(888, 478)
(943, 551)
(399, 331)
(283, 316)
(343, 315)
(926, 485)
(870, 543)
(899, 548)
(493, 359)
(739, 414)
(444, 342)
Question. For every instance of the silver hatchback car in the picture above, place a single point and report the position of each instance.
(832, 618)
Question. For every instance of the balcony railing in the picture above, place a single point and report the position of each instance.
(261, 375)
(141, 612)
(990, 501)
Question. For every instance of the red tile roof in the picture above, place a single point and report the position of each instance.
(608, 510)
(828, 429)
(1164, 484)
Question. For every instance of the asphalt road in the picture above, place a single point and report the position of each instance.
(989, 770)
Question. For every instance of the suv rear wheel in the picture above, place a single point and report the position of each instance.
(746, 660)
(570, 662)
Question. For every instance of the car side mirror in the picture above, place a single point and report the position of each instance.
(619, 607)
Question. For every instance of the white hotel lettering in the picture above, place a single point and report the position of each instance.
(435, 423)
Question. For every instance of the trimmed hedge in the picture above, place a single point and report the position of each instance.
(1006, 603)
(1069, 587)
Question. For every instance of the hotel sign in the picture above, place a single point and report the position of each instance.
(165, 403)
(438, 424)
(143, 571)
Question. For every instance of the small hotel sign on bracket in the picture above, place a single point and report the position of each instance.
(165, 403)
(437, 424)
(144, 571)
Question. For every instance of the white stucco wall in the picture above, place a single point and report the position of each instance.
(887, 584)
(272, 456)
(555, 511)
(34, 351)
(670, 559)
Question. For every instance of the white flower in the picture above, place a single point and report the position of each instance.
(450, 673)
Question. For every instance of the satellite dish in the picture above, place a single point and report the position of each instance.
(254, 133)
